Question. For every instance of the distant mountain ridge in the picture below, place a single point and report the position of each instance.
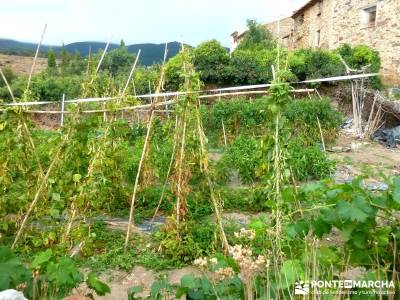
(150, 53)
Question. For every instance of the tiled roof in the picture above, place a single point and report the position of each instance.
(304, 7)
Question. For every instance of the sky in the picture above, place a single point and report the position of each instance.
(135, 21)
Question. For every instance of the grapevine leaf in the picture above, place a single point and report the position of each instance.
(291, 271)
(360, 239)
(327, 256)
(343, 210)
(396, 190)
(361, 210)
(320, 227)
(98, 286)
(188, 281)
(41, 258)
(12, 272)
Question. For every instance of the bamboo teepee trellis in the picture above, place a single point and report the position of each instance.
(187, 122)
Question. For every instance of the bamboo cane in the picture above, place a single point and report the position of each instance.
(223, 131)
(35, 58)
(39, 191)
(143, 156)
(209, 182)
(322, 136)
(97, 153)
(168, 172)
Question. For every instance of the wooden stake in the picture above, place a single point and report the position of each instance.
(93, 160)
(144, 152)
(322, 136)
(62, 110)
(38, 192)
(214, 201)
(181, 160)
(146, 142)
(35, 58)
(273, 72)
(223, 130)
(168, 172)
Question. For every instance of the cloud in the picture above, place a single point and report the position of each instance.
(135, 21)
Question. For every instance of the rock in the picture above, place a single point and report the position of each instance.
(12, 295)
(347, 124)
(377, 186)
(145, 227)
(338, 149)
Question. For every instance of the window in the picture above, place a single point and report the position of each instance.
(300, 19)
(285, 41)
(369, 16)
(317, 41)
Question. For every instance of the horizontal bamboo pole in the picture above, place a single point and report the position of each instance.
(142, 107)
(168, 94)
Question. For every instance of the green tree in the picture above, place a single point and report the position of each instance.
(77, 65)
(257, 38)
(173, 72)
(212, 61)
(118, 60)
(143, 77)
(51, 59)
(65, 58)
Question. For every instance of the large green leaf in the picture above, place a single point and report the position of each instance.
(396, 190)
(12, 272)
(98, 286)
(41, 258)
(358, 210)
(291, 271)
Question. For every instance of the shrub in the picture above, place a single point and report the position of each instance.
(238, 116)
(9, 75)
(308, 162)
(252, 67)
(145, 76)
(312, 64)
(173, 72)
(212, 61)
(361, 56)
(242, 156)
(48, 87)
(303, 116)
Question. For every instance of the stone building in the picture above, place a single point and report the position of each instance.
(330, 23)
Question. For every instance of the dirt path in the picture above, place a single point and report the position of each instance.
(120, 282)
(356, 157)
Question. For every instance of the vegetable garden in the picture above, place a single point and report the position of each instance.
(60, 188)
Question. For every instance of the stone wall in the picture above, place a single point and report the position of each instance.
(349, 26)
(312, 25)
(285, 31)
